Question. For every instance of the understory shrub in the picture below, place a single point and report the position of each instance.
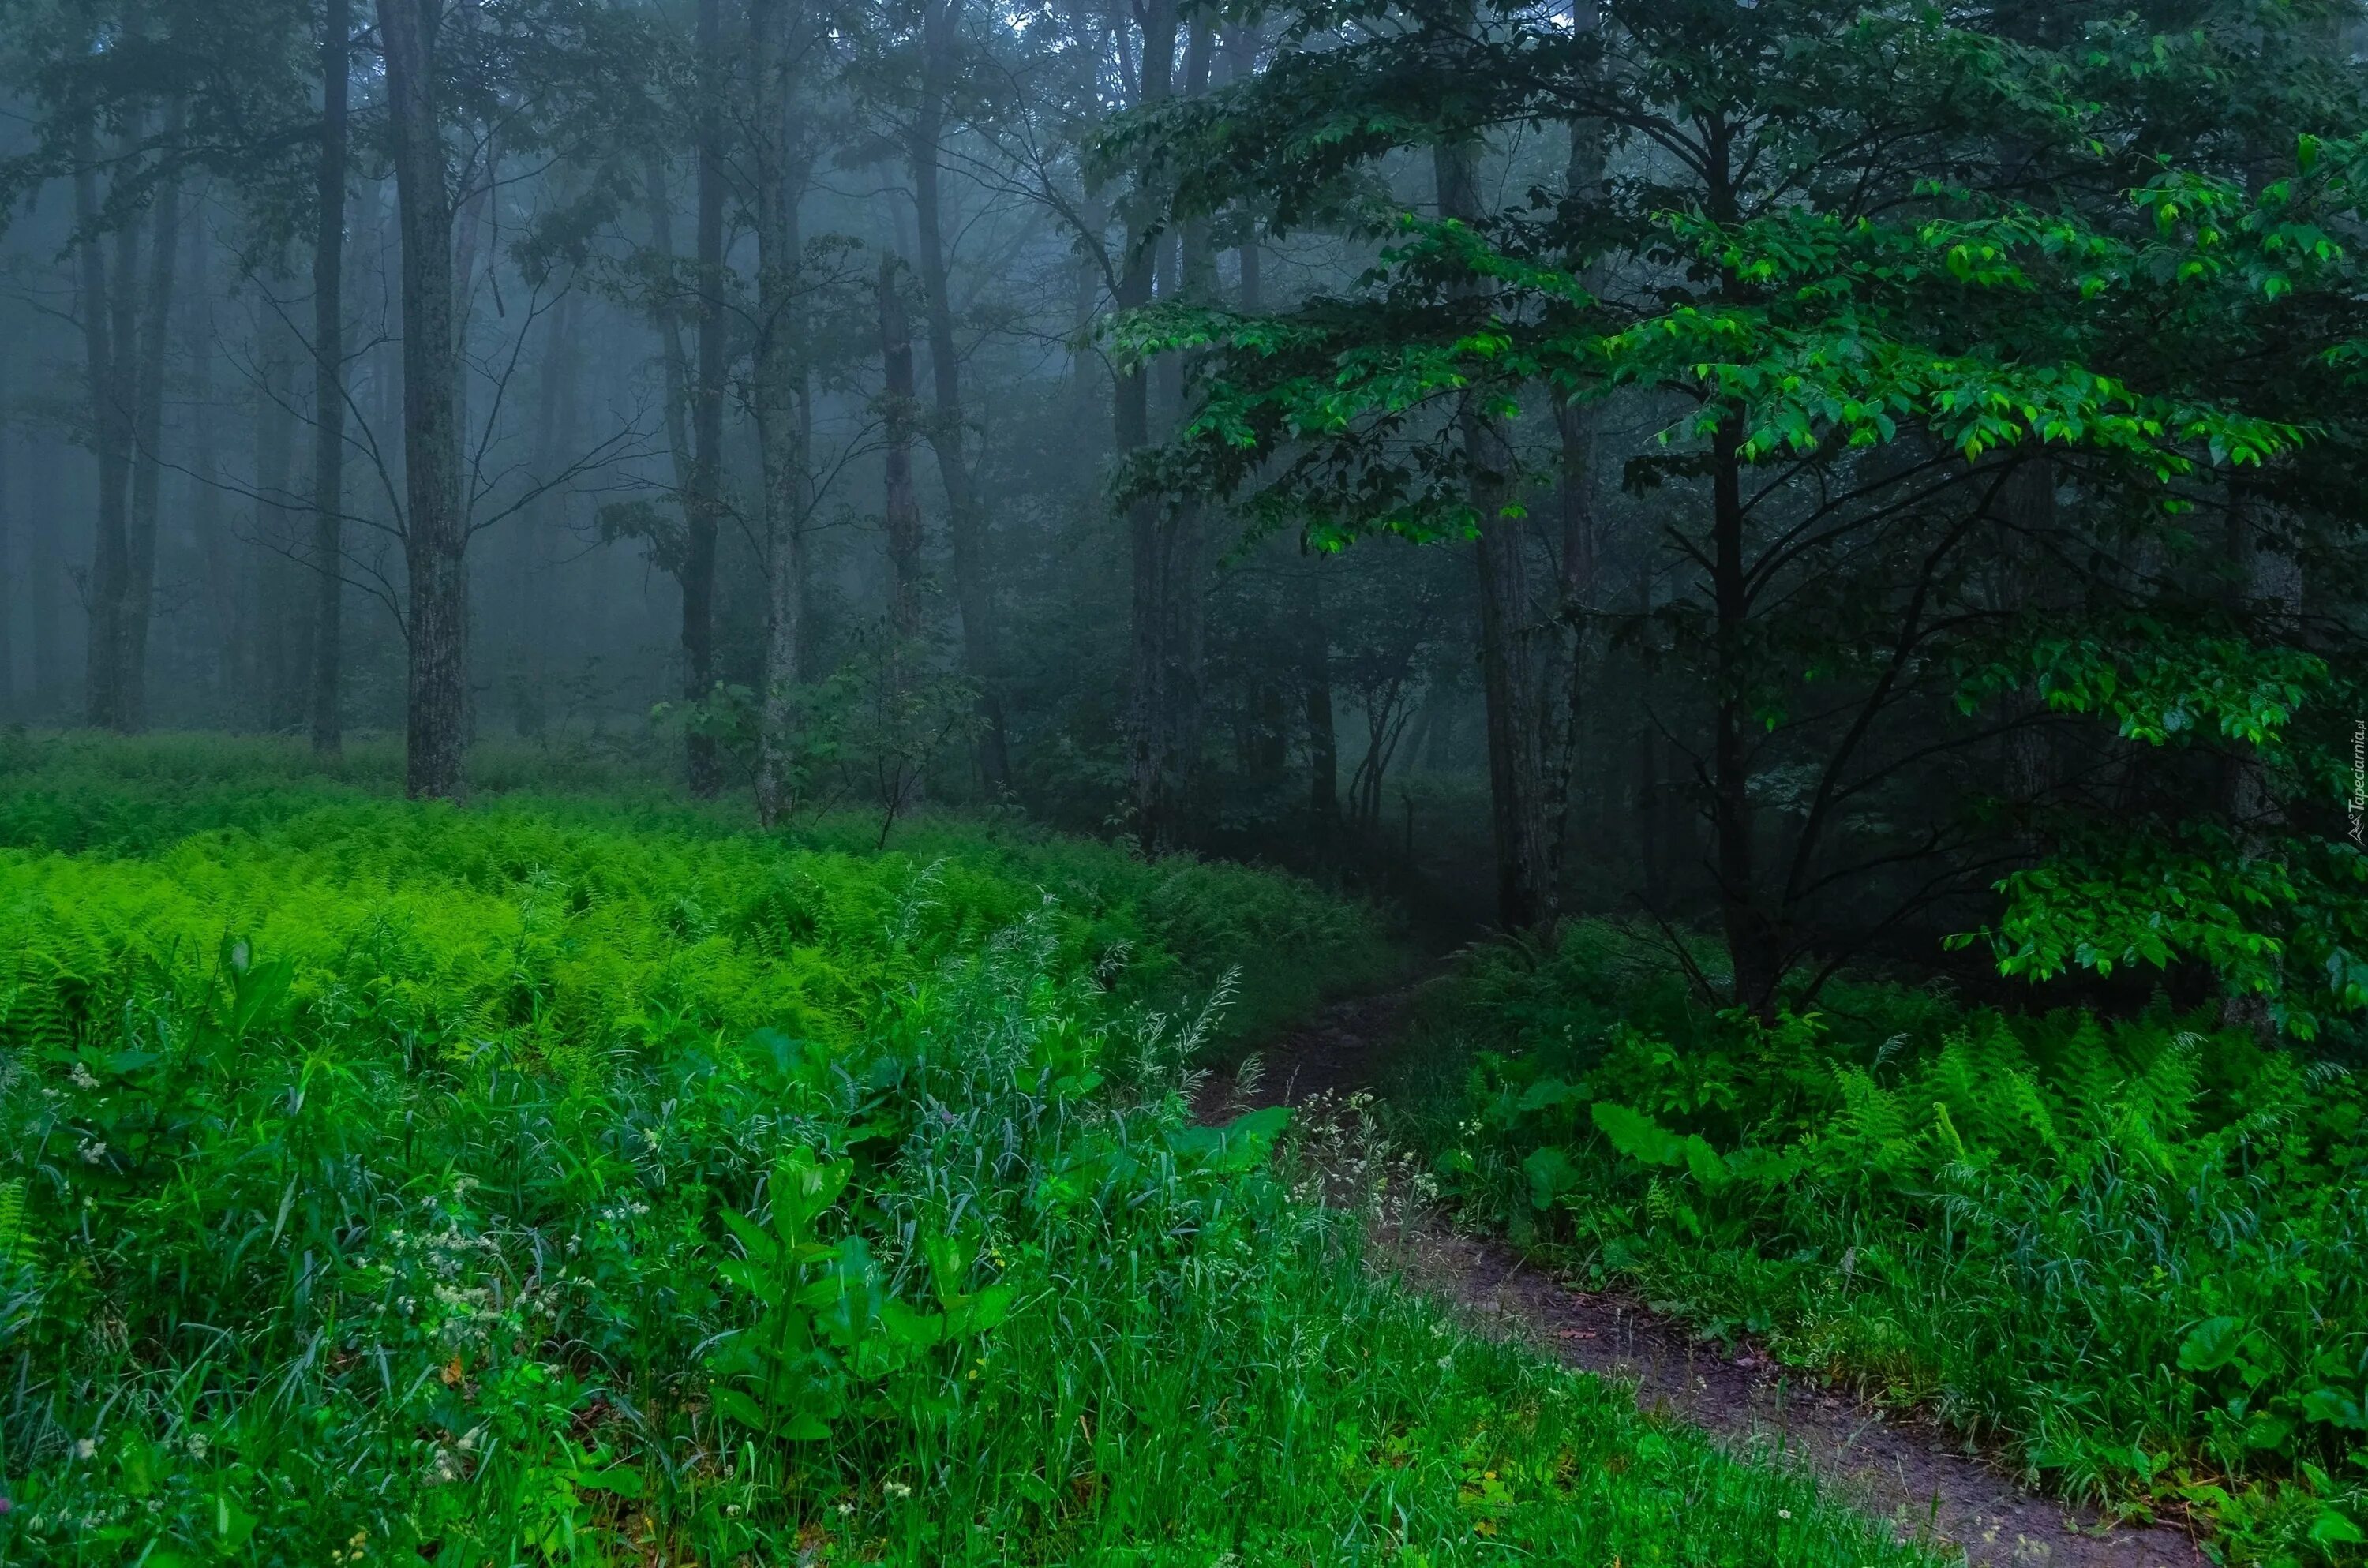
(2132, 1250)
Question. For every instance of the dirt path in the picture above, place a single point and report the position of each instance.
(1911, 1472)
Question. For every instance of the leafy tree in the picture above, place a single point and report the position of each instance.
(1871, 270)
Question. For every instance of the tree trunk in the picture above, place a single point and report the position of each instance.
(104, 304)
(148, 423)
(703, 507)
(901, 507)
(223, 595)
(9, 579)
(779, 424)
(555, 439)
(965, 520)
(1521, 812)
(45, 579)
(1323, 739)
(1165, 540)
(329, 383)
(435, 535)
(280, 582)
(1752, 941)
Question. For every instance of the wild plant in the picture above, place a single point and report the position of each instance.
(2129, 1250)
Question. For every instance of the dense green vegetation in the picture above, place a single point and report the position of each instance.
(2130, 1250)
(558, 1180)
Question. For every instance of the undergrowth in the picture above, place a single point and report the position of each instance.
(555, 1181)
(2131, 1252)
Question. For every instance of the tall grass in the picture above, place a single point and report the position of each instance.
(549, 1183)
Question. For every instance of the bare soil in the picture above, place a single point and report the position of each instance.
(1929, 1483)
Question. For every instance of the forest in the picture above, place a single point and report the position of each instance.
(1202, 782)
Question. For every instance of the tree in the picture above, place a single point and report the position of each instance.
(948, 430)
(1826, 280)
(329, 379)
(782, 412)
(435, 533)
(559, 75)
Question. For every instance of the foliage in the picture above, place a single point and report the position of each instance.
(1953, 325)
(2129, 1251)
(557, 1183)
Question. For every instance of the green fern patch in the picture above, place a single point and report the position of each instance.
(564, 1181)
(2131, 1251)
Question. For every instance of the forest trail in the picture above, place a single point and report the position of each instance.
(1903, 1469)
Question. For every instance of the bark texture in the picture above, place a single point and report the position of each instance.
(779, 418)
(329, 383)
(435, 535)
(105, 306)
(148, 439)
(948, 428)
(901, 505)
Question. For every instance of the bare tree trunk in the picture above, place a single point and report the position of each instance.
(148, 425)
(9, 577)
(284, 656)
(329, 383)
(1521, 812)
(1165, 540)
(965, 519)
(435, 535)
(223, 595)
(45, 579)
(1323, 739)
(546, 516)
(1751, 939)
(104, 304)
(901, 507)
(779, 423)
(703, 507)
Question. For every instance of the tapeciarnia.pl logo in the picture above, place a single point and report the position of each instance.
(2359, 777)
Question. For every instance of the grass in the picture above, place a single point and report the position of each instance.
(2130, 1251)
(579, 1178)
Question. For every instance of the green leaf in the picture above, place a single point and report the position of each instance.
(2336, 1407)
(2211, 1345)
(1638, 1136)
(1551, 1174)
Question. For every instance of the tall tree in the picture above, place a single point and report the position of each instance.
(11, 578)
(966, 535)
(778, 404)
(703, 507)
(1161, 539)
(435, 530)
(137, 609)
(104, 305)
(900, 506)
(329, 379)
